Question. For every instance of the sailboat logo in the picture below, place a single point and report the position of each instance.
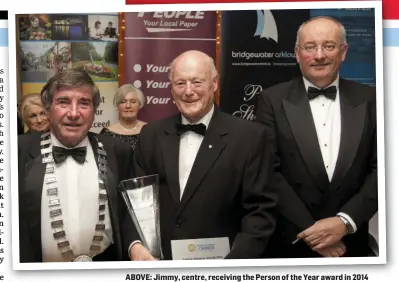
(266, 26)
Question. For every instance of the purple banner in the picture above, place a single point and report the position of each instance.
(152, 41)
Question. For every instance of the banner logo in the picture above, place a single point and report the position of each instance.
(266, 26)
(171, 21)
(191, 248)
(247, 111)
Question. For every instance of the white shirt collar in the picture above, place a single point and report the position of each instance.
(307, 83)
(55, 142)
(206, 119)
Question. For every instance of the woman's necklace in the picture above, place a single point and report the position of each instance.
(129, 129)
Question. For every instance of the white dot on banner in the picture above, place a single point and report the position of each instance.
(137, 84)
(137, 68)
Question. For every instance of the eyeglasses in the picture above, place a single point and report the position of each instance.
(312, 48)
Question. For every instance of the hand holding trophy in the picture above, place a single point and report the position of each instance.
(141, 196)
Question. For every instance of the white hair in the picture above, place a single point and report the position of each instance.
(125, 89)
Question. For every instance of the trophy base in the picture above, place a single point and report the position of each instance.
(83, 258)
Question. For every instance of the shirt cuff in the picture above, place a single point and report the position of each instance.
(131, 245)
(348, 218)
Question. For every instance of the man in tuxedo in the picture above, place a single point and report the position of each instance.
(323, 128)
(69, 206)
(214, 168)
(110, 31)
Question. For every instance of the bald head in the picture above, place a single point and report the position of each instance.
(194, 81)
(321, 20)
(194, 57)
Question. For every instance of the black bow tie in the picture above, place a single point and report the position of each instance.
(197, 128)
(60, 154)
(329, 92)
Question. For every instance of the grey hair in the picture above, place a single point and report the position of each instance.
(209, 61)
(69, 79)
(125, 89)
(340, 25)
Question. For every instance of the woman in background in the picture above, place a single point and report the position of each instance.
(128, 100)
(33, 114)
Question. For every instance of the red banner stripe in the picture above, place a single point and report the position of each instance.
(390, 8)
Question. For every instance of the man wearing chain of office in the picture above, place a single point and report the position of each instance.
(69, 206)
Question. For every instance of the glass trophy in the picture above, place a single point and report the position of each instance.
(141, 196)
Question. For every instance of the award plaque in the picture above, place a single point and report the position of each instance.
(141, 196)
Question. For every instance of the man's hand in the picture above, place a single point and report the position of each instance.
(324, 233)
(337, 250)
(139, 253)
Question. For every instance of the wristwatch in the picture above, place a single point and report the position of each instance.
(348, 225)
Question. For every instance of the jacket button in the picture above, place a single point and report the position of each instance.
(178, 223)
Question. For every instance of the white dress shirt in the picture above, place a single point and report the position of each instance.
(327, 119)
(190, 143)
(78, 192)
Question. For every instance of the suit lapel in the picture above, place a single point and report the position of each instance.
(352, 124)
(170, 148)
(94, 145)
(211, 147)
(33, 187)
(299, 115)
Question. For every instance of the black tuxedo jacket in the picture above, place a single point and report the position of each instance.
(110, 31)
(227, 193)
(31, 171)
(305, 192)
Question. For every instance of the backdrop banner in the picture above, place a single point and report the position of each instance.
(359, 24)
(152, 41)
(257, 51)
(49, 44)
